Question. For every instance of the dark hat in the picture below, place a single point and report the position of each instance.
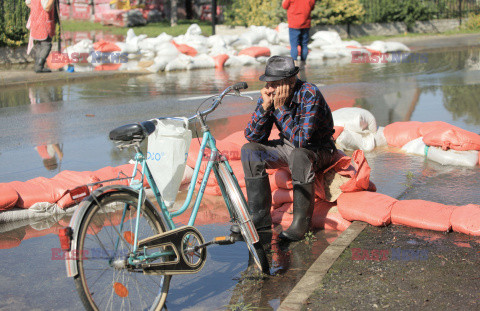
(278, 68)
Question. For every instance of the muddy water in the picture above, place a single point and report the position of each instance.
(72, 122)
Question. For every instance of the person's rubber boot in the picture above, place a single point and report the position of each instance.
(259, 203)
(303, 203)
(41, 58)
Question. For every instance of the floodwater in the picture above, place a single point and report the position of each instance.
(72, 122)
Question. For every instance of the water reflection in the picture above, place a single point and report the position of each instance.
(44, 103)
(445, 88)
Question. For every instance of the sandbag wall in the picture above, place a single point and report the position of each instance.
(438, 141)
(193, 50)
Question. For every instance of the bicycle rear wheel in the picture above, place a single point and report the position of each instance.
(240, 208)
(105, 280)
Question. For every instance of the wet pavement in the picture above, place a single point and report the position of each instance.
(401, 268)
(78, 117)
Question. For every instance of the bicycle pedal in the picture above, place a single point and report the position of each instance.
(224, 240)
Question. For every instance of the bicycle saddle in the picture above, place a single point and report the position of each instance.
(133, 132)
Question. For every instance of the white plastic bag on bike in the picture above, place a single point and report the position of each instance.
(167, 155)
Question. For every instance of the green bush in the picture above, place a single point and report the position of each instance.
(13, 21)
(255, 12)
(408, 11)
(473, 22)
(332, 12)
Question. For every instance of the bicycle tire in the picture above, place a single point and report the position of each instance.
(236, 199)
(127, 289)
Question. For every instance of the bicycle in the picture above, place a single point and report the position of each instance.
(117, 230)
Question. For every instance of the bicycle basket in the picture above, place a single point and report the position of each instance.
(167, 155)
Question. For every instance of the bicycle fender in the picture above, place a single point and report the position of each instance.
(85, 205)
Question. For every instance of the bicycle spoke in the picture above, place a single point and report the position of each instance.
(125, 289)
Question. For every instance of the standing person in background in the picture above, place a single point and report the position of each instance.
(299, 22)
(41, 23)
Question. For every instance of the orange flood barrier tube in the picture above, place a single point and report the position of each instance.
(466, 219)
(371, 207)
(56, 189)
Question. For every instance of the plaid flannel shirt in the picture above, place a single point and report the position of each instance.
(306, 121)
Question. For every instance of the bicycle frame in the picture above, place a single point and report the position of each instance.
(136, 186)
(209, 142)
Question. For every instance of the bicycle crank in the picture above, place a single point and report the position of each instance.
(185, 254)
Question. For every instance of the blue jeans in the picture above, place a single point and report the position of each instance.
(299, 37)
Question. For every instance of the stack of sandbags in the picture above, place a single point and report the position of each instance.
(56, 190)
(438, 141)
(381, 210)
(358, 129)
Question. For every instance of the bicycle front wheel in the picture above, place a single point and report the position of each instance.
(105, 280)
(241, 213)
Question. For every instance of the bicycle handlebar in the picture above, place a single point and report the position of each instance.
(135, 133)
(236, 87)
(149, 126)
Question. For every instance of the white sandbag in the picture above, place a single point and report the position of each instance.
(228, 39)
(123, 47)
(279, 50)
(201, 61)
(84, 46)
(262, 59)
(159, 64)
(198, 42)
(147, 55)
(216, 40)
(136, 39)
(283, 33)
(218, 50)
(453, 157)
(130, 35)
(396, 47)
(416, 146)
(327, 38)
(355, 119)
(444, 157)
(348, 140)
(187, 175)
(379, 46)
(351, 43)
(168, 50)
(131, 65)
(194, 29)
(272, 36)
(240, 60)
(316, 55)
(179, 63)
(263, 42)
(148, 44)
(334, 51)
(241, 43)
(255, 34)
(379, 136)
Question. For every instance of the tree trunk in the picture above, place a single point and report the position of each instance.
(189, 9)
(173, 12)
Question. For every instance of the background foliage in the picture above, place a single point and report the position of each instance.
(332, 12)
(408, 11)
(13, 18)
(255, 12)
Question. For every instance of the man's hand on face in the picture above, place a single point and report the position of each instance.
(276, 93)
(267, 96)
(282, 93)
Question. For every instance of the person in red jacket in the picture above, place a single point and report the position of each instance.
(41, 23)
(299, 22)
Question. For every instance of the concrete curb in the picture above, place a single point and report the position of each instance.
(314, 275)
